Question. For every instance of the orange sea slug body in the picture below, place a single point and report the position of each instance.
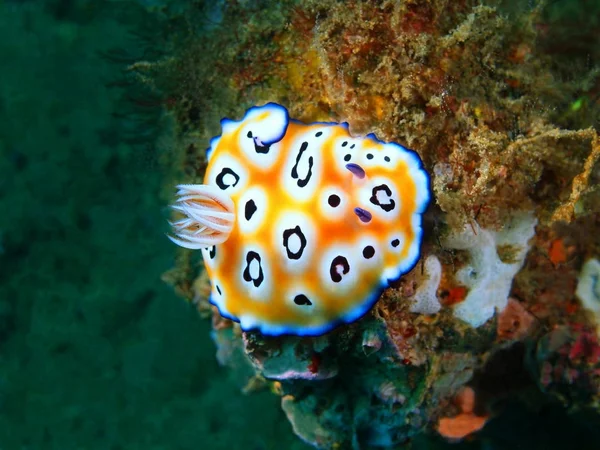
(323, 221)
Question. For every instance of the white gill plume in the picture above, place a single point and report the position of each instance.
(209, 216)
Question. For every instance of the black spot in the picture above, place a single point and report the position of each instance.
(344, 143)
(218, 289)
(387, 159)
(333, 272)
(333, 200)
(302, 181)
(395, 243)
(253, 256)
(319, 133)
(302, 300)
(264, 149)
(258, 146)
(287, 234)
(353, 145)
(388, 205)
(221, 178)
(213, 252)
(249, 209)
(347, 157)
(368, 252)
(369, 155)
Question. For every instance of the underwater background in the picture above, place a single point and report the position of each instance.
(104, 107)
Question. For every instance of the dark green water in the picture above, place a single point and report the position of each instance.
(96, 352)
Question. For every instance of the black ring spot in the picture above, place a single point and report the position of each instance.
(369, 155)
(387, 159)
(333, 269)
(333, 200)
(302, 300)
(319, 133)
(259, 147)
(287, 234)
(302, 181)
(368, 252)
(249, 209)
(347, 157)
(395, 243)
(386, 206)
(213, 252)
(250, 257)
(221, 178)
(263, 149)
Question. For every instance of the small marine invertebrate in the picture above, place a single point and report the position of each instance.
(302, 226)
(371, 342)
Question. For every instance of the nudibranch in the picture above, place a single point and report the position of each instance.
(301, 226)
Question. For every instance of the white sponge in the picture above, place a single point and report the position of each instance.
(488, 277)
(425, 299)
(588, 289)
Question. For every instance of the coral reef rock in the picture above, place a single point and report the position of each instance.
(501, 104)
